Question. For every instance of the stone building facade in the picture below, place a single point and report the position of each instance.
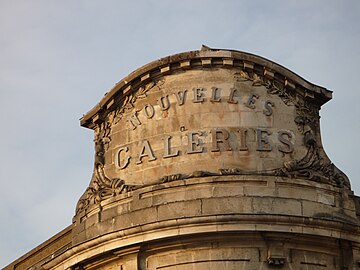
(209, 159)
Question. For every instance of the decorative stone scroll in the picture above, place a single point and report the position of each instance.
(312, 166)
(101, 187)
(307, 113)
(130, 100)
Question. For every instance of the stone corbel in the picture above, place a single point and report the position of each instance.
(276, 256)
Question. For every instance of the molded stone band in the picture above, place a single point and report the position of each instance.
(192, 226)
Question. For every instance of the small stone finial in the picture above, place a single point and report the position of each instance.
(276, 256)
(205, 48)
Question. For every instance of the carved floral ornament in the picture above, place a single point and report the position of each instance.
(312, 166)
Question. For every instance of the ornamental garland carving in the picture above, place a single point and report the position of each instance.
(312, 167)
(101, 186)
(307, 114)
(128, 104)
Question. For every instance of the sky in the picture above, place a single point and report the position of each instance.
(58, 59)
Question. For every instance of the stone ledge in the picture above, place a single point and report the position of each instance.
(198, 225)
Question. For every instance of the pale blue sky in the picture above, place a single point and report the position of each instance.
(58, 58)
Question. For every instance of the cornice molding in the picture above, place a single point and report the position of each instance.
(192, 226)
(205, 58)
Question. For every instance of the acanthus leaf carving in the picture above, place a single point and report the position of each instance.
(232, 171)
(312, 166)
(306, 113)
(180, 176)
(102, 137)
(307, 116)
(128, 104)
(273, 87)
(276, 88)
(102, 187)
(172, 177)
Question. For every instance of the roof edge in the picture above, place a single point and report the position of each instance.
(207, 57)
(45, 250)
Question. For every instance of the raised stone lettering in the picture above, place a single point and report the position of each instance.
(198, 95)
(268, 111)
(251, 101)
(167, 148)
(214, 97)
(289, 147)
(164, 103)
(180, 95)
(134, 120)
(149, 111)
(263, 143)
(231, 96)
(119, 162)
(243, 146)
(194, 143)
(146, 151)
(223, 139)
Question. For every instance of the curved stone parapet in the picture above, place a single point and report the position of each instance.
(209, 112)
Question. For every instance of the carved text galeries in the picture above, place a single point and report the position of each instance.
(222, 139)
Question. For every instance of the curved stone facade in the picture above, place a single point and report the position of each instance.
(211, 159)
